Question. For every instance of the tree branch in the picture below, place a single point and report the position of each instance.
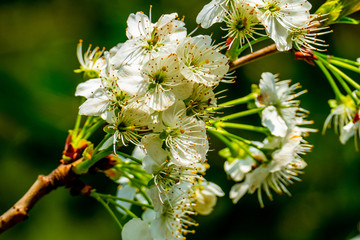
(266, 51)
(61, 176)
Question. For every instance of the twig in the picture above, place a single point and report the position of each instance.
(61, 176)
(266, 51)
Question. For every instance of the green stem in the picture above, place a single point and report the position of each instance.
(135, 180)
(131, 169)
(128, 211)
(346, 77)
(242, 114)
(330, 79)
(145, 195)
(230, 135)
(126, 200)
(240, 144)
(345, 86)
(77, 124)
(93, 128)
(243, 127)
(234, 102)
(107, 136)
(224, 140)
(329, 58)
(98, 198)
(345, 65)
(84, 128)
(130, 157)
(253, 42)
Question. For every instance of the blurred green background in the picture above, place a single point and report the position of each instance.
(37, 106)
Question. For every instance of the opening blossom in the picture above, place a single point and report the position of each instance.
(276, 173)
(280, 108)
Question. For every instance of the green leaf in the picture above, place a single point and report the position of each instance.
(348, 20)
(151, 183)
(336, 11)
(332, 9)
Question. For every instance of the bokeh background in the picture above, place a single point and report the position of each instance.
(37, 106)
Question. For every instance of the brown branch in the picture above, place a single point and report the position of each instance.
(61, 176)
(266, 51)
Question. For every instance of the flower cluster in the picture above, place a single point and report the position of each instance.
(154, 91)
(289, 23)
(275, 162)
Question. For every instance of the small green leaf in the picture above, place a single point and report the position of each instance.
(332, 9)
(348, 20)
(336, 11)
(151, 183)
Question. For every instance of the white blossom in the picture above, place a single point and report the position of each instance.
(306, 36)
(206, 194)
(241, 23)
(278, 172)
(279, 16)
(201, 62)
(238, 168)
(172, 216)
(102, 94)
(341, 114)
(128, 122)
(148, 40)
(158, 82)
(184, 138)
(280, 108)
(200, 102)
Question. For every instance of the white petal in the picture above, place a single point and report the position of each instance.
(127, 192)
(238, 168)
(156, 155)
(148, 215)
(347, 132)
(214, 188)
(138, 152)
(136, 229)
(271, 119)
(138, 25)
(238, 191)
(94, 106)
(159, 99)
(131, 81)
(90, 88)
(211, 13)
(107, 143)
